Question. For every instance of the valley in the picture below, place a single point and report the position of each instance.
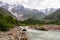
(18, 22)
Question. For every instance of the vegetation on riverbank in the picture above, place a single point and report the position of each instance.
(39, 22)
(6, 21)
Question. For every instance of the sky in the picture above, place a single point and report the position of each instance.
(35, 4)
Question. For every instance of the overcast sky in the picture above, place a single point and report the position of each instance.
(36, 4)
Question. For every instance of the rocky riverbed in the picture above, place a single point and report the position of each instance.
(46, 27)
(14, 34)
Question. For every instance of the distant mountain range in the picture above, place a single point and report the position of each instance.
(53, 16)
(22, 13)
(48, 10)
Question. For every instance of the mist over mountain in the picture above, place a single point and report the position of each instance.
(48, 10)
(4, 5)
(23, 13)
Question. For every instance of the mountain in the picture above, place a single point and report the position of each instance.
(4, 5)
(48, 10)
(25, 13)
(37, 15)
(1, 3)
(22, 13)
(53, 16)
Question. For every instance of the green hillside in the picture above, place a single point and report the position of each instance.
(6, 20)
(53, 17)
(33, 22)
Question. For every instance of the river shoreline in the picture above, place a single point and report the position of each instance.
(17, 33)
(46, 27)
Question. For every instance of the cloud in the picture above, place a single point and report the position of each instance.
(36, 4)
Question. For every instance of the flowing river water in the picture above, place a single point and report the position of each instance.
(43, 35)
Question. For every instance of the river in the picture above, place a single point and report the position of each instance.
(43, 35)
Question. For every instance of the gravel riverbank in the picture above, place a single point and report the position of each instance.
(14, 34)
